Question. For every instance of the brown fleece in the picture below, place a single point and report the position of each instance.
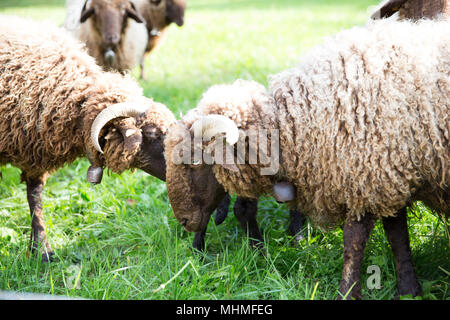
(416, 9)
(51, 90)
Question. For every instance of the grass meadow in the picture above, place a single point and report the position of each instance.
(120, 240)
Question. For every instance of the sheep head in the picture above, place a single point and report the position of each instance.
(206, 150)
(163, 12)
(131, 135)
(193, 189)
(110, 18)
(175, 11)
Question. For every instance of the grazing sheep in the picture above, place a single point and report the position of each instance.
(363, 125)
(413, 9)
(158, 15)
(57, 104)
(113, 31)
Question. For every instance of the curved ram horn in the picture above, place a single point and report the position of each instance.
(125, 109)
(210, 125)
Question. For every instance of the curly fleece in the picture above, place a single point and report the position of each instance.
(364, 123)
(51, 90)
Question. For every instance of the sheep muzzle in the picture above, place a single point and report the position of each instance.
(110, 56)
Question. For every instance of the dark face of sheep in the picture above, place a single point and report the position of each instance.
(175, 11)
(164, 12)
(150, 158)
(193, 189)
(194, 194)
(110, 18)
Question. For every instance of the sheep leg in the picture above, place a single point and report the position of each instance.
(222, 210)
(396, 229)
(297, 220)
(199, 240)
(356, 234)
(221, 214)
(142, 73)
(38, 236)
(245, 211)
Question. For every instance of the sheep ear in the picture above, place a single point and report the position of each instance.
(132, 136)
(85, 14)
(133, 13)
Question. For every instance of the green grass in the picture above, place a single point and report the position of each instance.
(121, 239)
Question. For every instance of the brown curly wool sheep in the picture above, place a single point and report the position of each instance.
(57, 104)
(363, 132)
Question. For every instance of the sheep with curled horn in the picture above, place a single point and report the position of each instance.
(113, 31)
(69, 108)
(363, 126)
(159, 15)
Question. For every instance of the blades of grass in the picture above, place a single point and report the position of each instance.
(314, 291)
(77, 284)
(162, 286)
(344, 297)
(52, 289)
(445, 271)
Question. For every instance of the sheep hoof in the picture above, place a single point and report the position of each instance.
(284, 191)
(94, 175)
(258, 246)
(199, 242)
(48, 257)
(296, 240)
